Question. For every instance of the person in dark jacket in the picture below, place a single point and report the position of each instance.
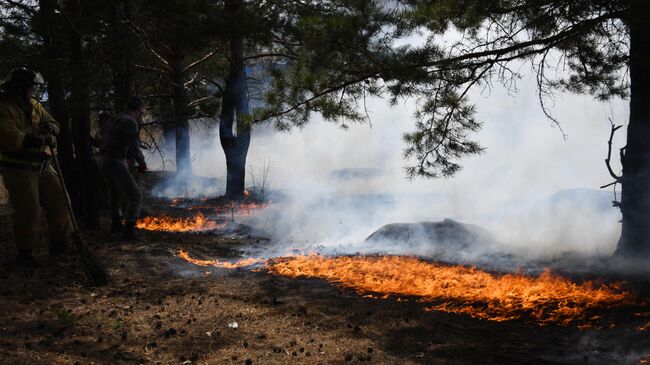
(120, 143)
(27, 140)
(104, 119)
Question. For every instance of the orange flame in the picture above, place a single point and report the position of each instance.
(546, 298)
(645, 359)
(171, 224)
(216, 263)
(458, 289)
(246, 208)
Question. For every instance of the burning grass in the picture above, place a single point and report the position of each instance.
(221, 205)
(458, 289)
(221, 264)
(171, 224)
(547, 298)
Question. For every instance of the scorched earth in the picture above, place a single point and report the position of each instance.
(186, 297)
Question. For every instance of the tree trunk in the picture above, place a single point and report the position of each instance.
(181, 112)
(53, 70)
(168, 126)
(635, 201)
(234, 130)
(80, 113)
(121, 63)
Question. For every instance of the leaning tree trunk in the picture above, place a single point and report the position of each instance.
(80, 113)
(234, 130)
(635, 201)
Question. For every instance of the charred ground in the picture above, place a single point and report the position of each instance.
(159, 309)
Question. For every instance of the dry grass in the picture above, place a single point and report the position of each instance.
(161, 310)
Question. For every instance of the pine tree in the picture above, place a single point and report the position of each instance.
(328, 57)
(598, 40)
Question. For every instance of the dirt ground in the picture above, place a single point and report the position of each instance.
(159, 309)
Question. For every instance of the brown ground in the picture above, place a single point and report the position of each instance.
(159, 309)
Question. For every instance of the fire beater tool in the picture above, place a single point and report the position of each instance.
(94, 270)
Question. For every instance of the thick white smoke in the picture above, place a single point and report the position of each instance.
(537, 193)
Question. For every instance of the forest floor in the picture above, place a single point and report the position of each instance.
(159, 309)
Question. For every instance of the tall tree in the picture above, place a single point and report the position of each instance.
(178, 40)
(234, 126)
(35, 33)
(597, 41)
(635, 203)
(80, 115)
(49, 26)
(328, 56)
(122, 53)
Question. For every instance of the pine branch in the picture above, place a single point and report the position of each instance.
(31, 10)
(199, 61)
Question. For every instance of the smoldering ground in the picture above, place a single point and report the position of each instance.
(535, 192)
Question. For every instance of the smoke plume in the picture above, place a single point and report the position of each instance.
(537, 193)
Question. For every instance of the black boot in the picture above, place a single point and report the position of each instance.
(117, 226)
(58, 248)
(25, 258)
(129, 231)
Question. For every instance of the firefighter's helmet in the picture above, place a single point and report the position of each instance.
(21, 78)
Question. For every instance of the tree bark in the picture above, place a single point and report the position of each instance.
(80, 113)
(121, 63)
(53, 70)
(168, 125)
(635, 201)
(181, 112)
(234, 130)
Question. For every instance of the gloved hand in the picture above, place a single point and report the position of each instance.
(49, 128)
(49, 140)
(142, 168)
(33, 140)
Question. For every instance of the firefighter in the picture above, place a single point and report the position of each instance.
(104, 119)
(121, 143)
(27, 141)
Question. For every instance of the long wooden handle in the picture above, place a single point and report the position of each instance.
(57, 169)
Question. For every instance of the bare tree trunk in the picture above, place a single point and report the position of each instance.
(121, 63)
(234, 130)
(168, 125)
(181, 112)
(53, 70)
(635, 203)
(80, 113)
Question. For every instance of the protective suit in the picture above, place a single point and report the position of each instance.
(26, 141)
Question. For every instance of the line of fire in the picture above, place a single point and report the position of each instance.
(325, 182)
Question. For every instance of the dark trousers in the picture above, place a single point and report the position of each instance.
(122, 183)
